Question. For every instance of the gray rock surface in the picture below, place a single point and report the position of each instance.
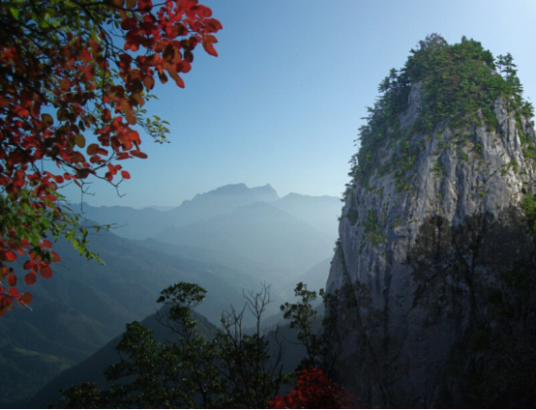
(419, 288)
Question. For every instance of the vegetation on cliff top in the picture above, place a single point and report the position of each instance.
(457, 81)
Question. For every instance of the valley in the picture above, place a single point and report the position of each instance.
(234, 242)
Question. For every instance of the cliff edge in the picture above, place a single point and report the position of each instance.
(436, 238)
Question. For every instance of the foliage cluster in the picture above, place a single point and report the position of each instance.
(529, 208)
(483, 267)
(372, 228)
(314, 390)
(233, 370)
(63, 78)
(403, 162)
(507, 335)
(457, 81)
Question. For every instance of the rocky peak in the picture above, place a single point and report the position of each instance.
(436, 235)
(265, 193)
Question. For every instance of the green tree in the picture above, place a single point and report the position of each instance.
(506, 65)
(457, 83)
(231, 370)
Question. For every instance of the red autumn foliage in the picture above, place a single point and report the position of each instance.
(314, 390)
(59, 59)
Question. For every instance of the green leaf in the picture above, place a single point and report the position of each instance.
(14, 12)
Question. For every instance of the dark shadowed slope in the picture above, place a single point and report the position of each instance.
(85, 305)
(91, 369)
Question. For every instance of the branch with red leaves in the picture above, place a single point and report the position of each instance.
(56, 59)
(315, 391)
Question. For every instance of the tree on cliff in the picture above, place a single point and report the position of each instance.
(458, 82)
(64, 79)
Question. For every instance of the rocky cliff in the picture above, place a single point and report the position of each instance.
(436, 237)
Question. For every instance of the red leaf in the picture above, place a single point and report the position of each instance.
(46, 244)
(214, 24)
(123, 155)
(30, 279)
(92, 149)
(145, 5)
(131, 119)
(184, 66)
(8, 256)
(138, 154)
(163, 77)
(13, 292)
(12, 280)
(55, 257)
(106, 115)
(28, 264)
(26, 298)
(21, 112)
(129, 23)
(149, 82)
(134, 137)
(209, 48)
(125, 174)
(46, 272)
(65, 84)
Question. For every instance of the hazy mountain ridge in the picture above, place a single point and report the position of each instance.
(149, 222)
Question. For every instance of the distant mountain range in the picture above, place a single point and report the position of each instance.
(319, 212)
(226, 240)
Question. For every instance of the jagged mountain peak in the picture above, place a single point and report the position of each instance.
(265, 193)
(240, 189)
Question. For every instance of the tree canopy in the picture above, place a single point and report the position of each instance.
(232, 368)
(457, 81)
(74, 77)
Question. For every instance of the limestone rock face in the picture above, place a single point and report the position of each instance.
(429, 264)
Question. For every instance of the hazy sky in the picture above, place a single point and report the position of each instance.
(283, 102)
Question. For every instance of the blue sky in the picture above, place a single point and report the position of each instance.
(283, 102)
